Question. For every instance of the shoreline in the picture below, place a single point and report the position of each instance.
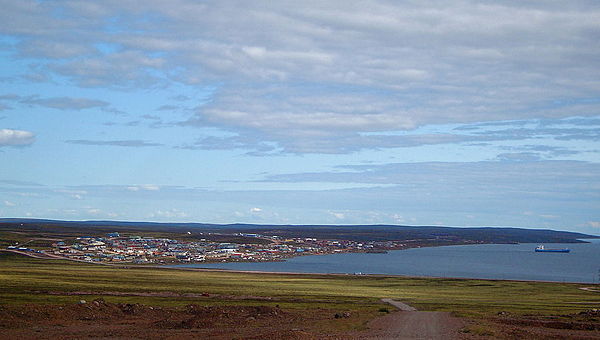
(266, 272)
(361, 275)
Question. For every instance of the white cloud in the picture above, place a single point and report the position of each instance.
(169, 213)
(594, 224)
(338, 215)
(9, 204)
(10, 137)
(28, 194)
(65, 103)
(146, 187)
(398, 218)
(74, 194)
(96, 212)
(255, 210)
(123, 69)
(52, 49)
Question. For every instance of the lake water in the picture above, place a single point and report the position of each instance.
(489, 261)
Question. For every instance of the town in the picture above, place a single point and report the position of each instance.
(135, 249)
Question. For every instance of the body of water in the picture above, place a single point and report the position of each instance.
(489, 261)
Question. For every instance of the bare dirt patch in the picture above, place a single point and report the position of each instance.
(101, 319)
(583, 325)
(159, 294)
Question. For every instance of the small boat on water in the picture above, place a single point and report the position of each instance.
(542, 249)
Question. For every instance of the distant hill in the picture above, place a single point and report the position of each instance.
(434, 234)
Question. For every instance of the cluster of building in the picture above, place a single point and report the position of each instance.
(136, 249)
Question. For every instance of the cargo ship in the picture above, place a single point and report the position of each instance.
(541, 249)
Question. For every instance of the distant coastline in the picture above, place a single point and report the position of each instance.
(488, 261)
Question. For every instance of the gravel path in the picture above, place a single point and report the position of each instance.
(408, 323)
(590, 289)
(400, 305)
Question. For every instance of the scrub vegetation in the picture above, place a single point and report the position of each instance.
(28, 280)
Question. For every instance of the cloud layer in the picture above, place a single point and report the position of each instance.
(9, 137)
(125, 143)
(304, 74)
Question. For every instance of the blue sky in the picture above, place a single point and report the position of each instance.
(456, 113)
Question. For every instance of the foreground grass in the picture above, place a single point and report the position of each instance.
(27, 280)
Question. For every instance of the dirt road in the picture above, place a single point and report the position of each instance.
(416, 325)
(400, 305)
(408, 323)
(590, 289)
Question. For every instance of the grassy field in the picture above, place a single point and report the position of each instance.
(28, 280)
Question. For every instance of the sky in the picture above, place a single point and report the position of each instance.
(457, 113)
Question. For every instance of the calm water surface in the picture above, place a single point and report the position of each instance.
(490, 261)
